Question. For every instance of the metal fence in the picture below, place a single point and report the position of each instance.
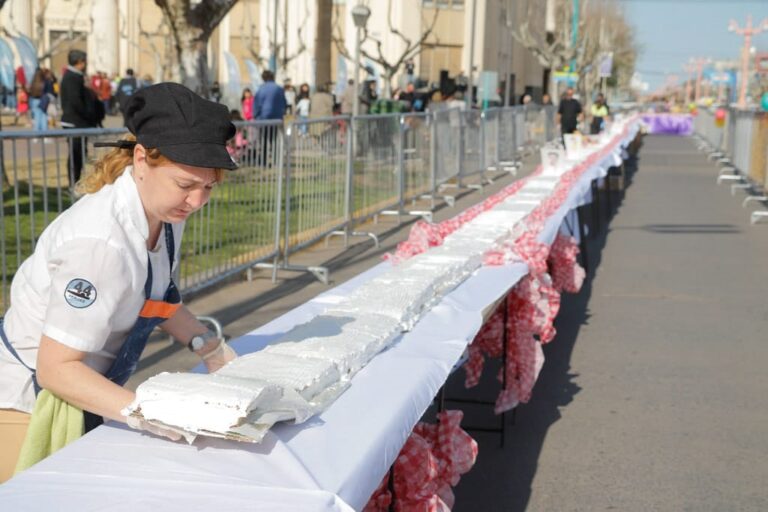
(297, 183)
(742, 137)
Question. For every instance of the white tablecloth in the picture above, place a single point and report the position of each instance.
(332, 462)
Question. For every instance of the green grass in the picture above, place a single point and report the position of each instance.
(236, 226)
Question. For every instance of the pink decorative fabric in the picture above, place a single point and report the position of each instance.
(431, 462)
(567, 274)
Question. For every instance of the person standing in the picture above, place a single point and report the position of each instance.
(246, 104)
(269, 101)
(302, 110)
(215, 92)
(105, 92)
(569, 113)
(36, 92)
(268, 104)
(599, 113)
(290, 96)
(78, 110)
(101, 277)
(127, 86)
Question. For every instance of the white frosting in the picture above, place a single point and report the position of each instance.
(307, 376)
(202, 402)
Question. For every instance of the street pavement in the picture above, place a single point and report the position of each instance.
(654, 394)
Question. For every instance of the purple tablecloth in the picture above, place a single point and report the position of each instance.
(669, 124)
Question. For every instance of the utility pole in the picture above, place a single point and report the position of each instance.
(574, 31)
(747, 32)
(471, 81)
(275, 26)
(689, 68)
(699, 63)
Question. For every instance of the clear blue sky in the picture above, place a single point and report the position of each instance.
(672, 31)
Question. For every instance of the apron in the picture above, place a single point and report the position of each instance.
(152, 314)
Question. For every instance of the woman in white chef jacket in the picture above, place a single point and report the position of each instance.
(83, 305)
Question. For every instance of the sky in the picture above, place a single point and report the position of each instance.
(670, 32)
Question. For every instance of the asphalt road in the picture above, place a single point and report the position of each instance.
(654, 394)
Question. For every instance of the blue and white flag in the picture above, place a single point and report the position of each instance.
(341, 75)
(606, 65)
(28, 56)
(7, 75)
(254, 73)
(234, 83)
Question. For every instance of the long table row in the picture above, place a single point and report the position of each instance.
(332, 462)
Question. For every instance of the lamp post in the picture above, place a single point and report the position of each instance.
(699, 63)
(468, 98)
(688, 68)
(747, 32)
(360, 14)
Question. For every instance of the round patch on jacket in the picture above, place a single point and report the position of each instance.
(79, 293)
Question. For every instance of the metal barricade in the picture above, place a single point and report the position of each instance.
(521, 130)
(376, 170)
(239, 227)
(38, 184)
(472, 146)
(448, 144)
(491, 120)
(535, 126)
(507, 136)
(418, 178)
(317, 192)
(296, 185)
(741, 139)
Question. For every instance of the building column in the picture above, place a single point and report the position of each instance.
(102, 43)
(17, 16)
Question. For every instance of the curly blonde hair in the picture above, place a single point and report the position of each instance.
(107, 169)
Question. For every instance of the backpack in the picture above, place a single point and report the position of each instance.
(36, 87)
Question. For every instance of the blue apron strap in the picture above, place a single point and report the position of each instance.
(15, 354)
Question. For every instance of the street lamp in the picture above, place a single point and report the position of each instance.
(360, 14)
(747, 32)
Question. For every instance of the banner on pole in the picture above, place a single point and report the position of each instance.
(234, 84)
(606, 65)
(7, 75)
(254, 73)
(27, 54)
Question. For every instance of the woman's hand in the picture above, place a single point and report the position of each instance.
(219, 356)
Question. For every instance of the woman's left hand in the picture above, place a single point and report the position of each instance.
(218, 357)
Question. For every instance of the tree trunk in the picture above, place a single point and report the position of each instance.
(323, 42)
(192, 58)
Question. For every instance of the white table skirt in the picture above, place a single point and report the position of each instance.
(332, 462)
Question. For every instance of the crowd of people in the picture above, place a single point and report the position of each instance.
(83, 101)
(35, 101)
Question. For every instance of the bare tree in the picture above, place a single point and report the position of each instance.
(323, 42)
(249, 35)
(556, 49)
(606, 30)
(391, 67)
(54, 45)
(191, 24)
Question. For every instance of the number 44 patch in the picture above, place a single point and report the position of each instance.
(80, 293)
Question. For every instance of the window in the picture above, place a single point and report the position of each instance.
(443, 4)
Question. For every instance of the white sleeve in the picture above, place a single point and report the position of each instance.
(89, 281)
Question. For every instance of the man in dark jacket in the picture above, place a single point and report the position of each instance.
(125, 89)
(79, 110)
(268, 104)
(569, 113)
